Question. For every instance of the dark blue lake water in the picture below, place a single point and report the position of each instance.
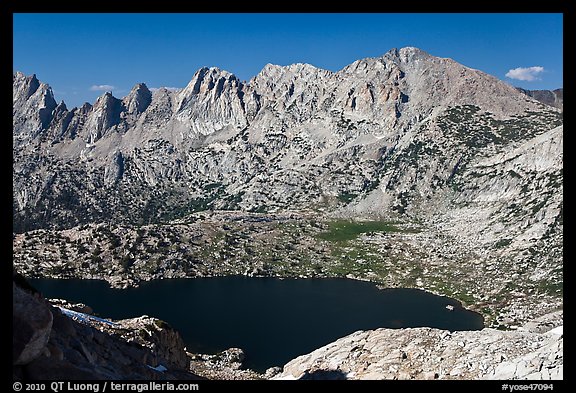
(272, 320)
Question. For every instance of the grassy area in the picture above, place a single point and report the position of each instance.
(343, 231)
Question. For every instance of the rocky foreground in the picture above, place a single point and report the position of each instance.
(425, 353)
(55, 342)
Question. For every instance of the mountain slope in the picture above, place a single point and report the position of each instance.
(293, 136)
(405, 137)
(553, 98)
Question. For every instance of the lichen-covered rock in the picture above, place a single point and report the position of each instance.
(165, 343)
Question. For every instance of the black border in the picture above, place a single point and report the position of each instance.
(397, 6)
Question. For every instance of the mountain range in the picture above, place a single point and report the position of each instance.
(383, 136)
(224, 176)
(474, 163)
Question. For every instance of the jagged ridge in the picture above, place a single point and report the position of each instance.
(294, 122)
(406, 136)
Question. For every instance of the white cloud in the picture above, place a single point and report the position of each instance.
(528, 74)
(102, 88)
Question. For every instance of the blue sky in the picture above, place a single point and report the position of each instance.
(82, 55)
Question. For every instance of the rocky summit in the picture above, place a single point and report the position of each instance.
(405, 170)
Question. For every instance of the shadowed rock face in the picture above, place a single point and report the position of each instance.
(553, 98)
(48, 344)
(31, 324)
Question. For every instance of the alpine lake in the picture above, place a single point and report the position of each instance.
(273, 320)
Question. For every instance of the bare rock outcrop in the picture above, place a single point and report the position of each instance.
(425, 353)
(157, 335)
(33, 104)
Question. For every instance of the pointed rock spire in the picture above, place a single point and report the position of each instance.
(138, 99)
(104, 115)
(24, 86)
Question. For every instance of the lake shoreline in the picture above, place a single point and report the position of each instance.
(262, 302)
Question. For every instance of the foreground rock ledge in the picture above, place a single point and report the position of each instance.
(426, 353)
